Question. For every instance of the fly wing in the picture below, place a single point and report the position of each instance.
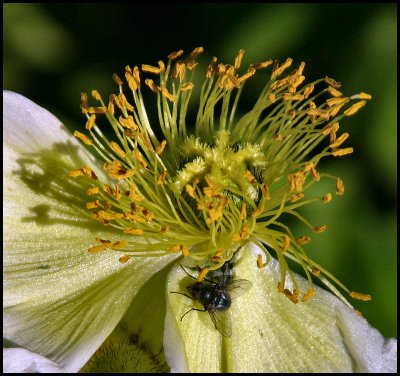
(222, 321)
(237, 287)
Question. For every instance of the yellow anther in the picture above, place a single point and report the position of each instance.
(93, 204)
(179, 70)
(187, 86)
(148, 214)
(213, 215)
(117, 80)
(335, 93)
(89, 172)
(341, 152)
(90, 122)
(285, 244)
(83, 137)
(315, 270)
(354, 108)
(164, 230)
(249, 177)
(151, 69)
(330, 128)
(139, 157)
(250, 72)
(296, 82)
(300, 69)
(339, 141)
(92, 191)
(296, 182)
(190, 191)
(238, 59)
(134, 218)
(202, 274)
(315, 175)
(281, 287)
(174, 55)
(83, 171)
(339, 187)
(260, 263)
(302, 240)
(76, 173)
(180, 248)
(104, 241)
(243, 212)
(279, 83)
(116, 170)
(96, 95)
(133, 194)
(360, 296)
(160, 148)
(133, 231)
(332, 82)
(151, 84)
(167, 94)
(111, 107)
(292, 296)
(279, 69)
(296, 197)
(128, 123)
(112, 192)
(308, 90)
(293, 97)
(256, 213)
(196, 52)
(358, 313)
(308, 295)
(217, 256)
(265, 192)
(122, 103)
(337, 101)
(124, 259)
(104, 216)
(243, 235)
(114, 146)
(361, 95)
(272, 98)
(97, 248)
(319, 229)
(262, 65)
(119, 244)
(132, 83)
(161, 178)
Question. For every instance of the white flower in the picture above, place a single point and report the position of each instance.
(202, 200)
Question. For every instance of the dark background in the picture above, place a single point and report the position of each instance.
(54, 52)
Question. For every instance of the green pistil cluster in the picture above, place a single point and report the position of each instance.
(207, 190)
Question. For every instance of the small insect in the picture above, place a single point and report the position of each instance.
(216, 295)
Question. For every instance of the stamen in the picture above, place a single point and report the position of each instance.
(83, 137)
(360, 296)
(225, 181)
(354, 108)
(202, 274)
(339, 187)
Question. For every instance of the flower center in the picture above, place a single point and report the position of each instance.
(206, 191)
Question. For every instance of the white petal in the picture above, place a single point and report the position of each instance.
(193, 344)
(136, 344)
(271, 334)
(23, 361)
(59, 300)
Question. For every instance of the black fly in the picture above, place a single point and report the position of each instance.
(216, 295)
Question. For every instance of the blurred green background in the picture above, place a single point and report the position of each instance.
(54, 52)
